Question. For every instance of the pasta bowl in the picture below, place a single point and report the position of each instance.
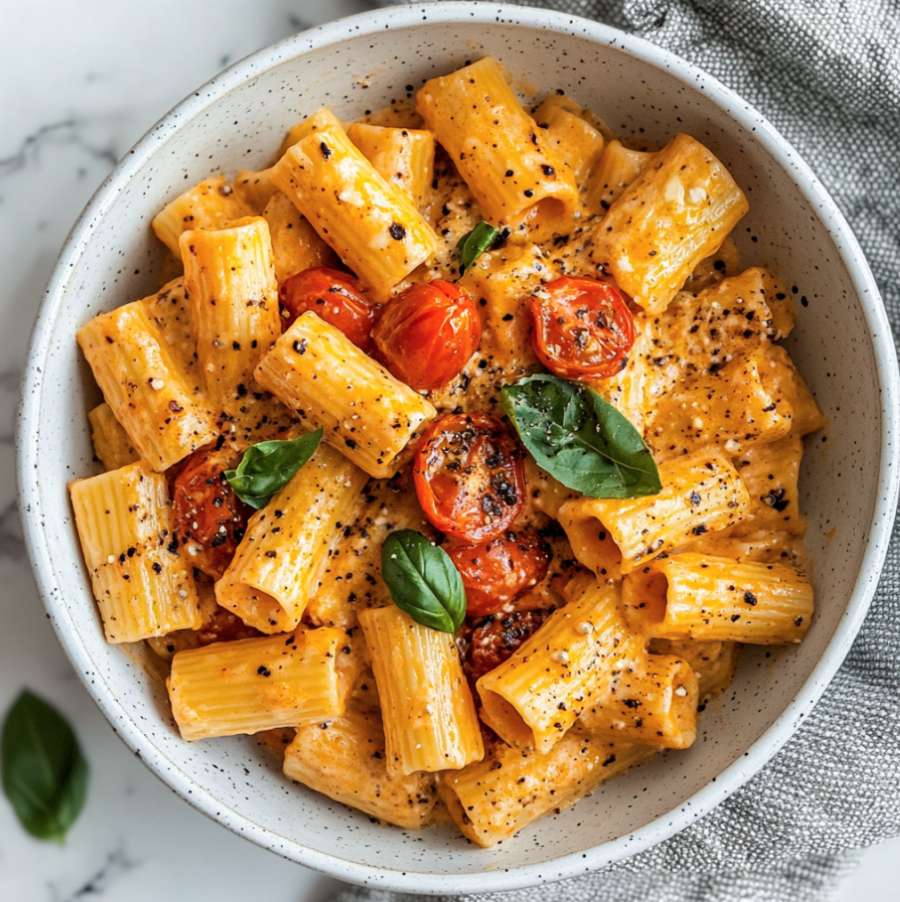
(842, 345)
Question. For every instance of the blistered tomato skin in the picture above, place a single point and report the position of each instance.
(469, 477)
(494, 573)
(210, 519)
(490, 642)
(335, 297)
(426, 335)
(581, 327)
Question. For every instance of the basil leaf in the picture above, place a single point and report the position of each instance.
(267, 467)
(44, 773)
(579, 438)
(483, 237)
(423, 580)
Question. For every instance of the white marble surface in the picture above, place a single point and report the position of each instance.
(79, 83)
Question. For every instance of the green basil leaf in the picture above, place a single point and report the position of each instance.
(423, 580)
(483, 237)
(267, 467)
(579, 438)
(44, 773)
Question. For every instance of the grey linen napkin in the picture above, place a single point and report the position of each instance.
(827, 74)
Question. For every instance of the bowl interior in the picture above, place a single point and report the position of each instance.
(121, 261)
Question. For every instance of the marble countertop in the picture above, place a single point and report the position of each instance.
(79, 84)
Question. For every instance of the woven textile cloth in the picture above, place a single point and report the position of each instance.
(827, 74)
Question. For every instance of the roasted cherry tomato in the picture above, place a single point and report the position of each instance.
(469, 477)
(209, 518)
(581, 327)
(335, 296)
(495, 572)
(426, 335)
(492, 640)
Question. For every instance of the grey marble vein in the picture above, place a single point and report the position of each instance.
(117, 864)
(65, 131)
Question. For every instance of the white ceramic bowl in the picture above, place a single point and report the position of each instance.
(842, 344)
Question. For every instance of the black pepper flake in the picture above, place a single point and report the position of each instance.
(750, 598)
(262, 670)
(548, 170)
(528, 192)
(300, 346)
(398, 233)
(157, 567)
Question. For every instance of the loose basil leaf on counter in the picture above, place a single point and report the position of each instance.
(423, 580)
(44, 773)
(267, 467)
(579, 438)
(483, 237)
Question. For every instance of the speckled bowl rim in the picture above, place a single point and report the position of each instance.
(699, 804)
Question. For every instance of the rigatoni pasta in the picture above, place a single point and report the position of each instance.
(676, 212)
(367, 414)
(701, 493)
(698, 596)
(277, 565)
(142, 586)
(345, 758)
(230, 279)
(143, 387)
(485, 520)
(251, 685)
(495, 798)
(211, 204)
(429, 718)
(371, 224)
(513, 172)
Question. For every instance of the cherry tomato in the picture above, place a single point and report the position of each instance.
(581, 327)
(209, 518)
(495, 638)
(469, 477)
(335, 296)
(495, 572)
(426, 335)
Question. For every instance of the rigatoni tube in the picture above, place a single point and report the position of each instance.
(142, 585)
(701, 493)
(429, 717)
(371, 224)
(508, 162)
(278, 562)
(697, 596)
(367, 414)
(210, 204)
(404, 156)
(676, 212)
(143, 387)
(495, 798)
(111, 443)
(250, 685)
(534, 696)
(345, 759)
(230, 280)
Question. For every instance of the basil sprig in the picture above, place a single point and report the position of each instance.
(423, 581)
(482, 238)
(267, 467)
(579, 438)
(44, 773)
